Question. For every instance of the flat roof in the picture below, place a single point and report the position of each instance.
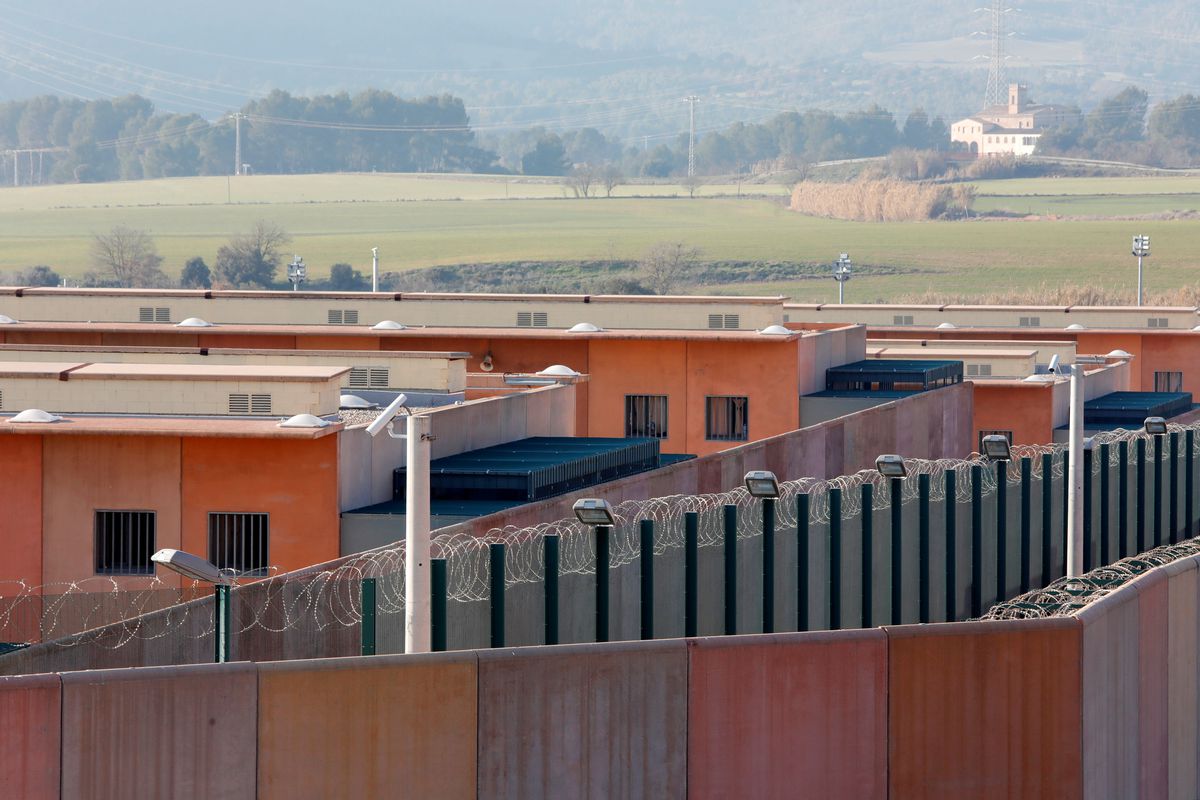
(206, 372)
(917, 366)
(1134, 407)
(230, 351)
(648, 334)
(977, 352)
(39, 369)
(961, 307)
(150, 425)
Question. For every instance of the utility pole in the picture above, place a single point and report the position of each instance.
(997, 89)
(375, 261)
(237, 143)
(691, 101)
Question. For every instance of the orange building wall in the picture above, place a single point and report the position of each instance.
(295, 481)
(20, 510)
(1026, 411)
(766, 374)
(619, 368)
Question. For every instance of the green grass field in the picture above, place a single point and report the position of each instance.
(187, 217)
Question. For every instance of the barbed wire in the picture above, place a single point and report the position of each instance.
(329, 595)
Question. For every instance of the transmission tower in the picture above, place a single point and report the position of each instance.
(997, 86)
(691, 101)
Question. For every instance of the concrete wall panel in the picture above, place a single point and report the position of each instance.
(368, 727)
(30, 708)
(584, 721)
(770, 714)
(1153, 677)
(984, 710)
(1183, 678)
(178, 732)
(1110, 696)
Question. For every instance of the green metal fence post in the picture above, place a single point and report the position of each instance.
(835, 559)
(1105, 498)
(437, 605)
(897, 502)
(647, 558)
(550, 571)
(496, 578)
(1001, 531)
(768, 565)
(1064, 534)
(802, 512)
(867, 518)
(1189, 442)
(602, 561)
(1088, 561)
(976, 540)
(1047, 517)
(366, 603)
(1122, 499)
(731, 567)
(1026, 521)
(1158, 490)
(950, 510)
(1173, 494)
(691, 572)
(923, 547)
(1140, 498)
(221, 623)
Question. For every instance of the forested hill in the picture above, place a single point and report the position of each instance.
(617, 65)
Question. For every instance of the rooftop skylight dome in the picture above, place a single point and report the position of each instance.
(304, 421)
(559, 371)
(388, 325)
(775, 330)
(354, 401)
(7, 320)
(584, 327)
(37, 416)
(194, 322)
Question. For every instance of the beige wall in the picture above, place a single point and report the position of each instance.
(439, 310)
(1049, 317)
(366, 464)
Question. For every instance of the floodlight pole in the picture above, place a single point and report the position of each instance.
(1139, 280)
(1075, 479)
(417, 606)
(221, 622)
(374, 269)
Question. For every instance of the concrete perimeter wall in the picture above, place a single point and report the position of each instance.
(1101, 705)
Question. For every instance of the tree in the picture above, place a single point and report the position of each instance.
(666, 265)
(41, 275)
(251, 259)
(196, 274)
(611, 177)
(580, 180)
(546, 158)
(345, 278)
(692, 183)
(127, 257)
(1120, 118)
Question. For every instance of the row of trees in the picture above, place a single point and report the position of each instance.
(1123, 127)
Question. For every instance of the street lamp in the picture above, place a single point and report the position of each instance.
(764, 485)
(841, 274)
(598, 514)
(199, 569)
(891, 466)
(1155, 426)
(1141, 249)
(996, 447)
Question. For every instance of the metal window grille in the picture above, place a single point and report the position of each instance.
(727, 419)
(239, 542)
(716, 320)
(540, 319)
(239, 404)
(154, 314)
(350, 316)
(1168, 381)
(124, 542)
(1006, 434)
(646, 415)
(524, 319)
(162, 315)
(335, 316)
(902, 319)
(379, 377)
(360, 378)
(249, 404)
(1, 398)
(733, 321)
(145, 314)
(1030, 322)
(260, 404)
(1157, 322)
(979, 370)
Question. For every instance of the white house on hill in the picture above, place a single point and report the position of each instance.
(1013, 129)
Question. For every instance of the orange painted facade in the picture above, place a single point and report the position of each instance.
(57, 482)
(1027, 411)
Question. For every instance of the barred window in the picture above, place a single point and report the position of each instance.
(727, 419)
(1168, 381)
(239, 542)
(646, 415)
(124, 542)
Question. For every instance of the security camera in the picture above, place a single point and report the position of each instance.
(384, 420)
(1053, 364)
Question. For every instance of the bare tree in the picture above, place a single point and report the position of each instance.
(666, 265)
(127, 257)
(251, 259)
(611, 177)
(691, 183)
(580, 179)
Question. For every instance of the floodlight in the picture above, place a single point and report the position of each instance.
(1155, 426)
(593, 511)
(891, 466)
(384, 420)
(762, 483)
(190, 566)
(997, 447)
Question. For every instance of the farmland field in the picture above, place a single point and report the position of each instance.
(415, 223)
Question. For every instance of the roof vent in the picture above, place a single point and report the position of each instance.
(304, 421)
(559, 371)
(388, 325)
(776, 330)
(584, 327)
(36, 415)
(947, 326)
(1075, 326)
(6, 320)
(354, 401)
(194, 322)
(1119, 354)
